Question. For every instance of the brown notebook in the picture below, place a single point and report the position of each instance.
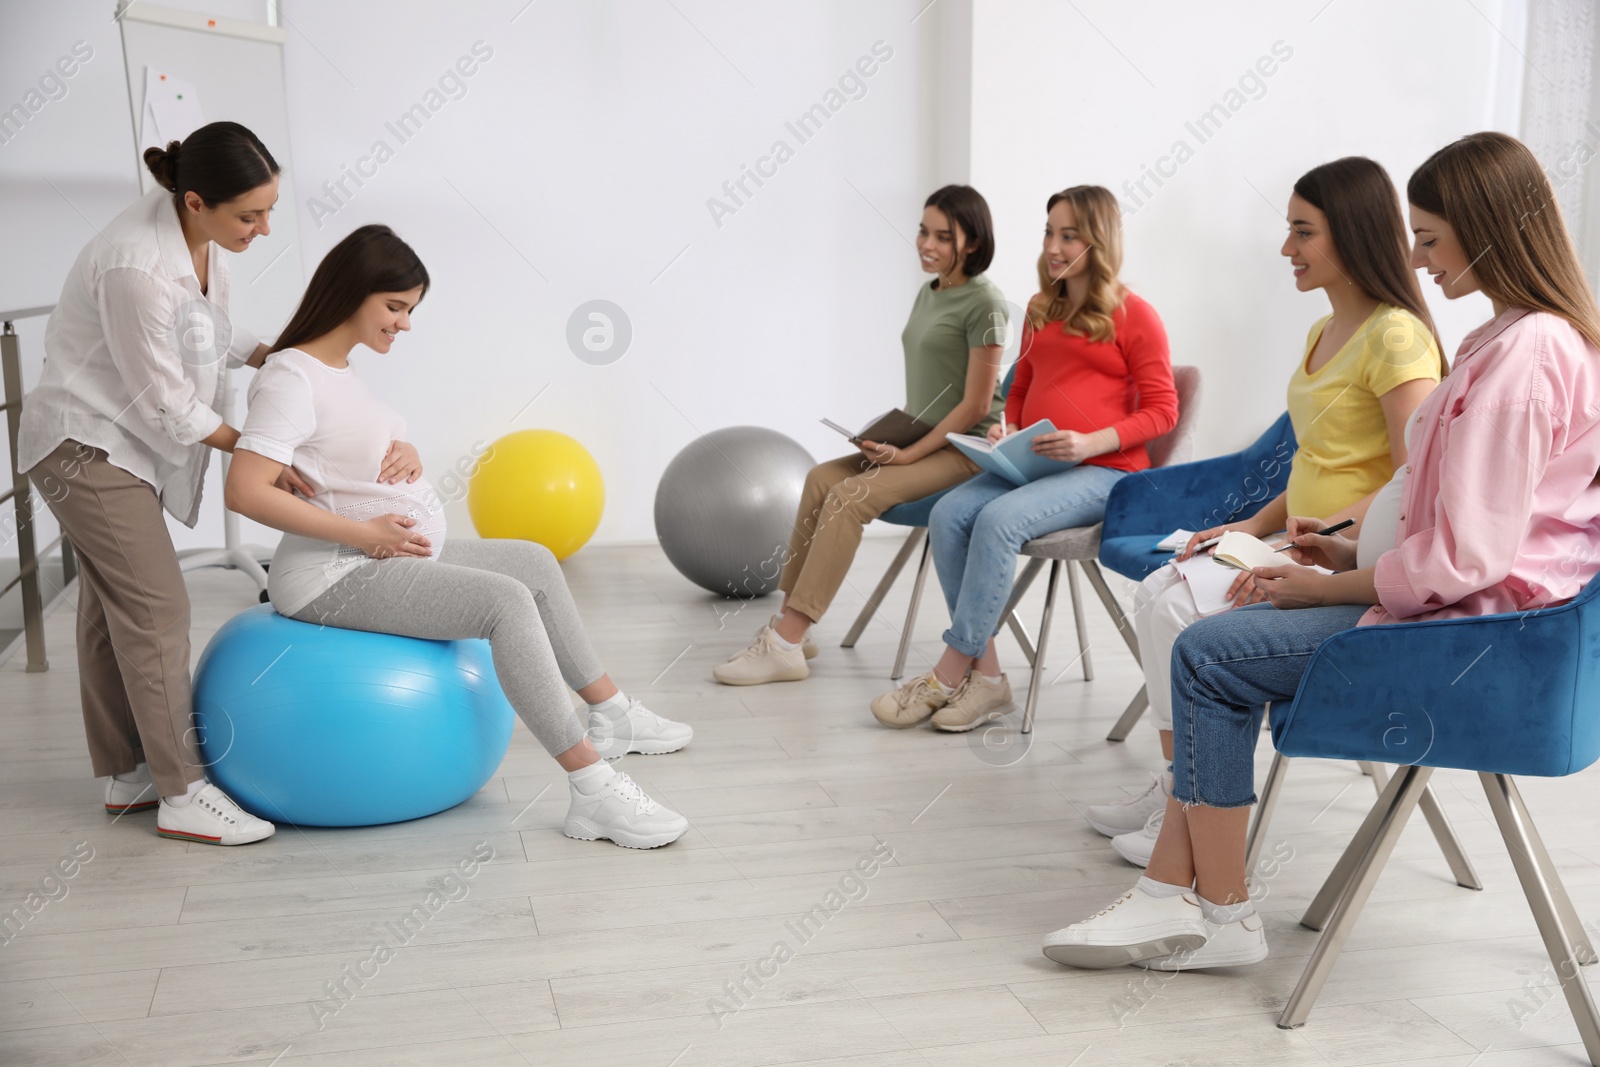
(896, 428)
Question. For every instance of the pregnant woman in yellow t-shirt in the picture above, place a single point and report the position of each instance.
(1365, 369)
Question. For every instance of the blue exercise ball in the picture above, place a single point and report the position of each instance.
(322, 726)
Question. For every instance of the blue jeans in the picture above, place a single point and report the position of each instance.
(1225, 668)
(978, 528)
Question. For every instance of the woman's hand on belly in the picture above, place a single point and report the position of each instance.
(401, 462)
(390, 535)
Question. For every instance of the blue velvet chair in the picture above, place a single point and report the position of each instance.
(1192, 496)
(1530, 706)
(914, 514)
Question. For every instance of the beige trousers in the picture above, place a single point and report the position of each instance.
(133, 618)
(840, 498)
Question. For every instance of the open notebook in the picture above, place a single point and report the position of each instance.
(897, 428)
(1243, 552)
(1012, 457)
(1210, 575)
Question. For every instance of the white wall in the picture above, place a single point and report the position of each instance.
(1062, 98)
(577, 166)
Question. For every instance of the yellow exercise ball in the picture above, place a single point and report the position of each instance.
(538, 485)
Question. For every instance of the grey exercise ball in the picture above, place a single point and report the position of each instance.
(725, 508)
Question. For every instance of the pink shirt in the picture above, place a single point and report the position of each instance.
(1500, 505)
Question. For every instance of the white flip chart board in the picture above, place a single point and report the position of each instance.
(236, 69)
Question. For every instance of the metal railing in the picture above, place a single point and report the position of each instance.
(20, 496)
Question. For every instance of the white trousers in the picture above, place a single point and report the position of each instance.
(1162, 608)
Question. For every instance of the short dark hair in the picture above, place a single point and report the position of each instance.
(968, 211)
(371, 260)
(217, 162)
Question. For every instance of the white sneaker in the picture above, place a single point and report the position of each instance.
(1136, 847)
(1136, 926)
(212, 818)
(637, 730)
(1227, 945)
(808, 647)
(622, 813)
(764, 661)
(1126, 816)
(123, 798)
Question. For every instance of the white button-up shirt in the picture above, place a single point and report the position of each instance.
(135, 356)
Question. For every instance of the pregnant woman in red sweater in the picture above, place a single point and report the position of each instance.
(1095, 364)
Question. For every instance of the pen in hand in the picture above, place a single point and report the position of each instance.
(1335, 528)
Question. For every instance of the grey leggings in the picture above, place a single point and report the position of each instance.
(511, 592)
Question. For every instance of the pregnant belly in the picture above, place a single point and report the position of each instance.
(415, 501)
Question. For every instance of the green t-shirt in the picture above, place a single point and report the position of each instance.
(945, 325)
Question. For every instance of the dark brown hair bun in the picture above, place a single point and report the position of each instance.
(163, 163)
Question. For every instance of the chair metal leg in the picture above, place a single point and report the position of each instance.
(1327, 898)
(1077, 621)
(1396, 806)
(1583, 947)
(1024, 582)
(1265, 806)
(1141, 700)
(913, 539)
(1439, 823)
(911, 612)
(1097, 579)
(1020, 632)
(1034, 681)
(1445, 835)
(1130, 716)
(1548, 900)
(1019, 589)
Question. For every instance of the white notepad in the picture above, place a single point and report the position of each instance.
(1208, 582)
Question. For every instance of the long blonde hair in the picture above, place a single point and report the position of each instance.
(1100, 226)
(1493, 193)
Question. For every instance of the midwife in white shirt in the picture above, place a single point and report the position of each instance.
(119, 429)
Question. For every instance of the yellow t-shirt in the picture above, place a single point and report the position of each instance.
(1343, 438)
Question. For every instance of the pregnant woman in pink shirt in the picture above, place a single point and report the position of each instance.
(367, 551)
(1495, 512)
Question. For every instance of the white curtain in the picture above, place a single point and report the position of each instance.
(1559, 117)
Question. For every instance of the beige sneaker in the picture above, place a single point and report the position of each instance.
(808, 647)
(764, 661)
(976, 701)
(912, 703)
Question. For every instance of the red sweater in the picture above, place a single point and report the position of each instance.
(1086, 385)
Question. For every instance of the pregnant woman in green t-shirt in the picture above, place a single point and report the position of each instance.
(952, 344)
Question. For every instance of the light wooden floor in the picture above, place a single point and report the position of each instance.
(163, 954)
